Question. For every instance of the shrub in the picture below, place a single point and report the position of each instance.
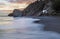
(56, 5)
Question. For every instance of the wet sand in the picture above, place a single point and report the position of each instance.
(52, 23)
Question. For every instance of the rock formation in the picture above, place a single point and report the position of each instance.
(16, 13)
(36, 9)
(56, 7)
(32, 10)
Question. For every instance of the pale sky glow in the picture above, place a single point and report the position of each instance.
(13, 6)
(10, 4)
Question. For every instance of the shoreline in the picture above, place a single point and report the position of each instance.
(52, 23)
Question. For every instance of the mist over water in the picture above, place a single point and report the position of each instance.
(24, 28)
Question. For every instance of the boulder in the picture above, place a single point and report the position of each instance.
(16, 13)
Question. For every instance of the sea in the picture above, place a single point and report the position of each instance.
(23, 28)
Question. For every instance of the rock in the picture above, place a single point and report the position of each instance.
(34, 8)
(37, 21)
(16, 13)
(48, 7)
(37, 8)
(11, 14)
(56, 5)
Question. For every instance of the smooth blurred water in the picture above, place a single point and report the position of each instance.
(23, 28)
(5, 20)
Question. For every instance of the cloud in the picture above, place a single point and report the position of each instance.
(14, 4)
(20, 1)
(4, 2)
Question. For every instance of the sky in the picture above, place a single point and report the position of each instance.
(14, 4)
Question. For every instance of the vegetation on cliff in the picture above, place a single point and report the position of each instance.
(56, 5)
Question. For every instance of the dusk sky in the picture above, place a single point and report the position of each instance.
(14, 4)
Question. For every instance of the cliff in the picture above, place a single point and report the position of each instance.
(34, 8)
(37, 8)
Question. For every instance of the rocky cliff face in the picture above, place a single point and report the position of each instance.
(34, 8)
(38, 8)
(48, 7)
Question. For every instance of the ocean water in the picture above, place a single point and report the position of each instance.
(23, 28)
(5, 20)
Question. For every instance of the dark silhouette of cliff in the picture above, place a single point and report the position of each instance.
(34, 8)
(37, 8)
(16, 13)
